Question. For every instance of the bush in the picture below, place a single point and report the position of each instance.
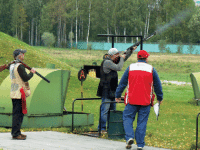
(89, 47)
(168, 50)
(48, 39)
(162, 45)
(197, 52)
(179, 47)
(191, 49)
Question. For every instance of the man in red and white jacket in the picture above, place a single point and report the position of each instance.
(141, 78)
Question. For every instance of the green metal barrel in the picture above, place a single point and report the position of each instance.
(116, 128)
(195, 79)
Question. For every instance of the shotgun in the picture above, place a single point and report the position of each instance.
(116, 61)
(29, 68)
(6, 66)
(138, 43)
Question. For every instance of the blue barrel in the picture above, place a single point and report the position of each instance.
(116, 128)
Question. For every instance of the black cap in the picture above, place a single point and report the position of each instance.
(18, 51)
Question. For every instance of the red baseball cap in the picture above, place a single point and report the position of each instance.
(143, 54)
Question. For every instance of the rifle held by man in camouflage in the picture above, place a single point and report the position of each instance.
(29, 68)
(6, 66)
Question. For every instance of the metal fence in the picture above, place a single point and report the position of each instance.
(173, 48)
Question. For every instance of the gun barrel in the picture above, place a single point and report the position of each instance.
(29, 68)
(138, 43)
(42, 77)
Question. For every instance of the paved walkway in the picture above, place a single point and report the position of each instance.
(50, 140)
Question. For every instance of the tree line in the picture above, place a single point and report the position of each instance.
(82, 20)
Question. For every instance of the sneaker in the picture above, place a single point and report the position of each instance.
(129, 143)
(140, 148)
(19, 137)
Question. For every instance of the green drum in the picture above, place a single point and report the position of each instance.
(116, 128)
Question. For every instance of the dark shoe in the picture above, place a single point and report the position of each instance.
(140, 148)
(23, 135)
(129, 143)
(103, 131)
(19, 137)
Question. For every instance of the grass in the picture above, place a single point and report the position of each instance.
(175, 128)
(171, 67)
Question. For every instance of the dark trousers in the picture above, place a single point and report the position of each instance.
(17, 117)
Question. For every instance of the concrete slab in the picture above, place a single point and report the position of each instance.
(50, 140)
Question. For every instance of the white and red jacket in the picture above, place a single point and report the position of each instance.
(140, 83)
(140, 78)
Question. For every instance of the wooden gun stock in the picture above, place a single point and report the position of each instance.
(6, 66)
(3, 67)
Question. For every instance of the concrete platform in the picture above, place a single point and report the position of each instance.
(50, 140)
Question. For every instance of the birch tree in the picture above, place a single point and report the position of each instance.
(76, 22)
(88, 33)
(33, 12)
(15, 18)
(58, 8)
(22, 20)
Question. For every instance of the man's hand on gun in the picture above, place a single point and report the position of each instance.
(123, 56)
(134, 48)
(33, 70)
(118, 100)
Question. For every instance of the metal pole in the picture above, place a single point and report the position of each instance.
(73, 115)
(73, 108)
(112, 41)
(82, 94)
(141, 45)
(197, 131)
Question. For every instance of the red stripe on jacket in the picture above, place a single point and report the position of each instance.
(140, 83)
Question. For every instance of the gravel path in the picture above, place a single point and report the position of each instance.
(176, 82)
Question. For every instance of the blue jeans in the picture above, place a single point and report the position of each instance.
(105, 115)
(128, 118)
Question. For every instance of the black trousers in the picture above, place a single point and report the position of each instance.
(17, 118)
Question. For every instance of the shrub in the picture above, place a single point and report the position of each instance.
(48, 39)
(191, 49)
(197, 52)
(162, 45)
(168, 50)
(179, 47)
(89, 46)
